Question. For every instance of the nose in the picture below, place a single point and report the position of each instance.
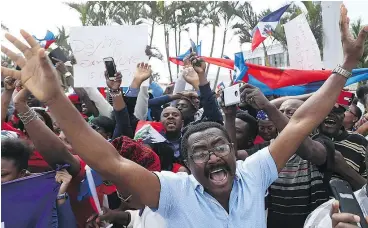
(213, 159)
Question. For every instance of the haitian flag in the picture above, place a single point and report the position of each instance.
(49, 38)
(29, 201)
(102, 187)
(178, 60)
(266, 25)
(221, 86)
(242, 74)
(150, 132)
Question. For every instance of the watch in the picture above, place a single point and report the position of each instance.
(62, 196)
(68, 74)
(341, 71)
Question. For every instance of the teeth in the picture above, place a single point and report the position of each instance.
(217, 170)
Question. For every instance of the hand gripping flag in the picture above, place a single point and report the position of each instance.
(29, 201)
(48, 39)
(179, 60)
(266, 25)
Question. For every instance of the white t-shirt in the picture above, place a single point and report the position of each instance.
(148, 219)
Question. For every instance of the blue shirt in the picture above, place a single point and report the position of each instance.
(184, 203)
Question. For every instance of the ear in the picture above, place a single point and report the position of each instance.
(23, 173)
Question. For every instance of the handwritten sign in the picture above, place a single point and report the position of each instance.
(90, 44)
(303, 50)
(332, 47)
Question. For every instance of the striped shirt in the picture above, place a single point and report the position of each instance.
(353, 147)
(320, 218)
(299, 189)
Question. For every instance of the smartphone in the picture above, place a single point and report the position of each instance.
(110, 67)
(345, 98)
(343, 192)
(58, 54)
(231, 95)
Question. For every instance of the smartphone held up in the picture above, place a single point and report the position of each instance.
(110, 68)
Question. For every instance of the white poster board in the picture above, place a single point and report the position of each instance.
(302, 46)
(332, 47)
(90, 44)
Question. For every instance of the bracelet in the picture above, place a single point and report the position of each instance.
(28, 116)
(115, 93)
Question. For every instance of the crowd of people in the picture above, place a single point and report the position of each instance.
(262, 163)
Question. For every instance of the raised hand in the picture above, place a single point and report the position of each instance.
(60, 66)
(20, 95)
(9, 83)
(114, 84)
(64, 178)
(189, 74)
(353, 48)
(37, 74)
(253, 96)
(229, 110)
(143, 72)
(198, 64)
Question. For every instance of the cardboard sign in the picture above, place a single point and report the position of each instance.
(303, 50)
(90, 44)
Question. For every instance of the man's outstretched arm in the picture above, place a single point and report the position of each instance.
(317, 107)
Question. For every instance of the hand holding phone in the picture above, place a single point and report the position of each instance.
(114, 84)
(110, 68)
(348, 204)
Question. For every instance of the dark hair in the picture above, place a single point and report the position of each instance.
(250, 120)
(46, 117)
(362, 91)
(358, 112)
(198, 128)
(17, 150)
(107, 124)
(355, 101)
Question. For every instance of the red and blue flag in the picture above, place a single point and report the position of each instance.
(102, 187)
(179, 60)
(47, 40)
(244, 74)
(266, 26)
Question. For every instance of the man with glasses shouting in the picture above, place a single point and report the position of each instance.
(220, 192)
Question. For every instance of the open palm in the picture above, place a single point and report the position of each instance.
(37, 73)
(143, 72)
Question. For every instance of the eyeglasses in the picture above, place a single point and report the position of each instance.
(351, 112)
(203, 156)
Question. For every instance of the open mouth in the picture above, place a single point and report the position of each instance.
(329, 122)
(171, 124)
(218, 175)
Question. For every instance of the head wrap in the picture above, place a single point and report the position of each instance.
(261, 115)
(137, 152)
